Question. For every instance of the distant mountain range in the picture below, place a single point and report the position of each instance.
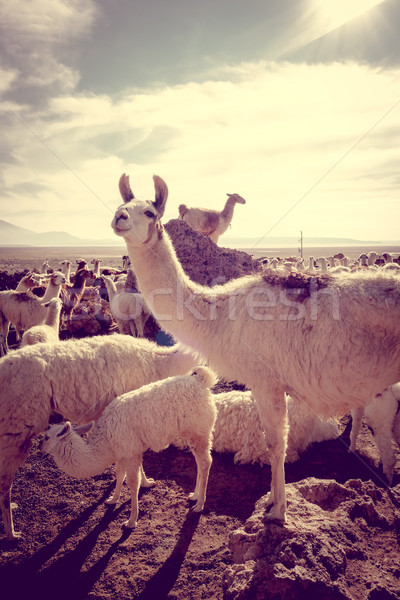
(12, 235)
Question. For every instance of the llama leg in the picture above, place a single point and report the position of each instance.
(120, 474)
(356, 417)
(6, 511)
(133, 475)
(132, 328)
(383, 439)
(3, 348)
(201, 452)
(145, 481)
(380, 414)
(8, 467)
(273, 416)
(139, 326)
(5, 325)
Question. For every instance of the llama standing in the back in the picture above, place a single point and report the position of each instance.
(209, 222)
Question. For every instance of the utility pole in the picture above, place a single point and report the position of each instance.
(301, 245)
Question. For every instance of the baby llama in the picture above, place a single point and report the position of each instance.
(152, 417)
(77, 379)
(211, 223)
(331, 342)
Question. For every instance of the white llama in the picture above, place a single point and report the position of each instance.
(53, 289)
(66, 269)
(77, 379)
(49, 330)
(152, 417)
(211, 223)
(128, 309)
(23, 310)
(332, 342)
(27, 282)
(238, 428)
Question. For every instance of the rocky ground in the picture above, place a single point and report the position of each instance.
(341, 539)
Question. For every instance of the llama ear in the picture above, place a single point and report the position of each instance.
(161, 195)
(82, 429)
(66, 429)
(125, 188)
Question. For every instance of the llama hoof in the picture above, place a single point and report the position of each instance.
(15, 536)
(130, 524)
(148, 483)
(198, 507)
(276, 515)
(111, 500)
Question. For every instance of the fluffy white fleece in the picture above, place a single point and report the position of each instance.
(238, 428)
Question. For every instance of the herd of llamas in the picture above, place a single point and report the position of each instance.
(309, 342)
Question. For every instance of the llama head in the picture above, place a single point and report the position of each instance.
(55, 303)
(54, 435)
(58, 278)
(237, 198)
(138, 221)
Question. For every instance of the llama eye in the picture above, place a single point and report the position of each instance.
(149, 214)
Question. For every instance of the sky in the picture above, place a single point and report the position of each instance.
(293, 104)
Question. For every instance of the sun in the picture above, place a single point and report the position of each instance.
(337, 12)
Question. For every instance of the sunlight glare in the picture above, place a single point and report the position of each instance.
(337, 12)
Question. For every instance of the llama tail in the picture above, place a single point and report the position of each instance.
(205, 376)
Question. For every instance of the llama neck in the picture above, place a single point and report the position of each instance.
(80, 282)
(227, 212)
(66, 270)
(96, 270)
(22, 285)
(80, 459)
(52, 291)
(53, 317)
(111, 289)
(178, 304)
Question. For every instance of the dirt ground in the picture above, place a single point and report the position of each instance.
(74, 546)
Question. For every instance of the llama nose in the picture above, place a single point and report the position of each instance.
(122, 215)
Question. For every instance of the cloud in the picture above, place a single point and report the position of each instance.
(268, 131)
(37, 39)
(47, 21)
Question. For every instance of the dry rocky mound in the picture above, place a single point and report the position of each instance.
(205, 262)
(324, 549)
